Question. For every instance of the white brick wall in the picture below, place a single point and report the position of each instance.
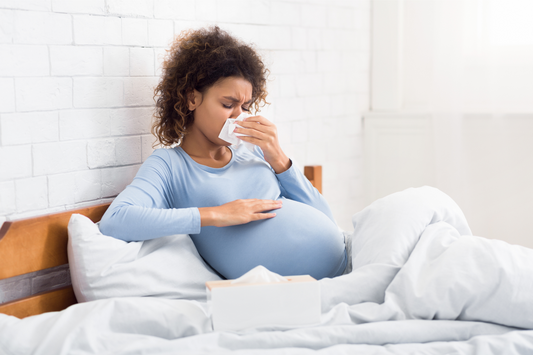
(69, 188)
(176, 10)
(31, 194)
(97, 30)
(76, 61)
(142, 62)
(15, 162)
(206, 10)
(79, 6)
(77, 79)
(147, 142)
(39, 5)
(7, 198)
(37, 27)
(114, 152)
(139, 91)
(59, 157)
(116, 61)
(98, 92)
(30, 127)
(43, 93)
(160, 32)
(135, 120)
(7, 93)
(24, 60)
(115, 180)
(134, 8)
(135, 32)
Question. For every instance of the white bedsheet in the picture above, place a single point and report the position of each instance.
(421, 284)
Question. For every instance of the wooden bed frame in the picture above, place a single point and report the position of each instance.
(33, 244)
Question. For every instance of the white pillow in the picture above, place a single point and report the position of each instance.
(105, 267)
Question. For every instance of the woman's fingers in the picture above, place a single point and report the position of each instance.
(257, 130)
(257, 123)
(254, 121)
(238, 212)
(267, 205)
(263, 133)
(252, 133)
(262, 216)
(256, 205)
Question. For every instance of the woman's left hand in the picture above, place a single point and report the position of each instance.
(264, 134)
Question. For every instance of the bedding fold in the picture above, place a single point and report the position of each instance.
(421, 282)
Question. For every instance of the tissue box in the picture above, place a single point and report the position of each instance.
(293, 303)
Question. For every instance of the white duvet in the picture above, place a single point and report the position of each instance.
(421, 283)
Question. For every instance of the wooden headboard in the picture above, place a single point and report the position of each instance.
(35, 244)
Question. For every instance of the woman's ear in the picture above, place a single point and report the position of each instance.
(195, 99)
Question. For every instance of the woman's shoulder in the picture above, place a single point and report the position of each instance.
(163, 158)
(165, 154)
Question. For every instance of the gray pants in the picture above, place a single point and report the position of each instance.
(348, 245)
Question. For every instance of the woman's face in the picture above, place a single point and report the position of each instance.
(227, 98)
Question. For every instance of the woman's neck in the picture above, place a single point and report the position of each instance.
(205, 152)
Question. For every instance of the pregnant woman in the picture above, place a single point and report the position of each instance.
(242, 208)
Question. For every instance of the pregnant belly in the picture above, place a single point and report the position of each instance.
(300, 240)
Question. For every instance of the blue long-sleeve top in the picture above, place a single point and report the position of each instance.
(165, 195)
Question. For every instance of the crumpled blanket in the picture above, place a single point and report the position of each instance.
(421, 283)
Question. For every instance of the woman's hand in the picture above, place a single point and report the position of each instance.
(264, 134)
(238, 212)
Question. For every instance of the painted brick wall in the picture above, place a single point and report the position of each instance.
(77, 78)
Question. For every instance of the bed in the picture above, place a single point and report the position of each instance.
(421, 283)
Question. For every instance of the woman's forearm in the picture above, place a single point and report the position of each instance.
(134, 223)
(296, 186)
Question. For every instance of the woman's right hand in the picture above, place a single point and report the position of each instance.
(238, 212)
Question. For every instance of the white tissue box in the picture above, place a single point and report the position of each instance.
(293, 303)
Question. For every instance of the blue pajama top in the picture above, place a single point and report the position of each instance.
(164, 197)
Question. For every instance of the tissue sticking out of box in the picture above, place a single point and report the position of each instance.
(259, 274)
(228, 132)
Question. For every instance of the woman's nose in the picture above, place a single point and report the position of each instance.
(236, 112)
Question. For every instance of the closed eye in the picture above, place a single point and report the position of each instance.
(235, 101)
(244, 108)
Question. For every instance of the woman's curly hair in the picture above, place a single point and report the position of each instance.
(196, 60)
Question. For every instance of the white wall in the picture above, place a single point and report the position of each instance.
(77, 78)
(464, 118)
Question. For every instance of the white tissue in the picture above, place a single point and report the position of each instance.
(259, 274)
(227, 133)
